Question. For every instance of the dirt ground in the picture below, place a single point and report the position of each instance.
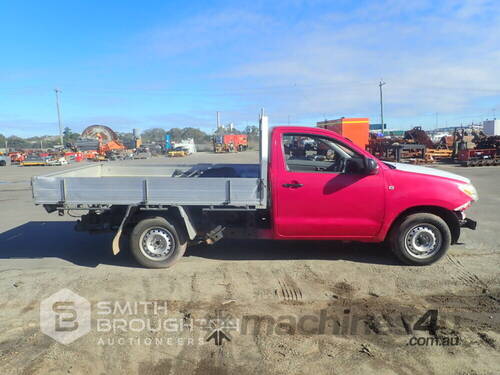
(274, 307)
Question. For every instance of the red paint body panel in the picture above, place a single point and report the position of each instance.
(413, 190)
(348, 206)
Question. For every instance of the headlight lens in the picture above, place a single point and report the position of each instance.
(469, 190)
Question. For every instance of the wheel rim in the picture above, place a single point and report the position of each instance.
(157, 243)
(423, 241)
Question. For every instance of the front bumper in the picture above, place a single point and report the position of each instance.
(468, 223)
(464, 221)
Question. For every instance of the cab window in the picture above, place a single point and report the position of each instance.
(312, 153)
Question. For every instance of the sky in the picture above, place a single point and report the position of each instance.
(142, 64)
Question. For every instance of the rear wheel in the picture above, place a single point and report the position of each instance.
(420, 239)
(157, 243)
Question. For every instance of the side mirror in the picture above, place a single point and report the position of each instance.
(371, 166)
(355, 166)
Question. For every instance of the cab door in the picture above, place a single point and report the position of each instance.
(313, 197)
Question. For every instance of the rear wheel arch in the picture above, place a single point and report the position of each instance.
(172, 215)
(448, 216)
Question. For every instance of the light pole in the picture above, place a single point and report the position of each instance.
(380, 84)
(57, 91)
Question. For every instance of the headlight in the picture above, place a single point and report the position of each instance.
(470, 190)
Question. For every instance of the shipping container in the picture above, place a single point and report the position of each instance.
(355, 129)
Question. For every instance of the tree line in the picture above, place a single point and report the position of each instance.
(44, 141)
(199, 136)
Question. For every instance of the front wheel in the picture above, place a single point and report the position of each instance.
(156, 243)
(420, 239)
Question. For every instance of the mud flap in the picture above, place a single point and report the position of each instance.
(191, 230)
(116, 239)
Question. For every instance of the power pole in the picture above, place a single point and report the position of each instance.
(437, 120)
(380, 84)
(57, 91)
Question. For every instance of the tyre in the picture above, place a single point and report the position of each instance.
(420, 239)
(157, 243)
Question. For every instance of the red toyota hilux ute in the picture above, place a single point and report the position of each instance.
(310, 184)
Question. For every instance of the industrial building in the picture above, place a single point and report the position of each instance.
(491, 127)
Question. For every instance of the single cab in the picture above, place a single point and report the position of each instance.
(310, 184)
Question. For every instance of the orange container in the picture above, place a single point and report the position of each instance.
(356, 129)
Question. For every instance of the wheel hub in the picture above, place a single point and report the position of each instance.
(157, 243)
(423, 241)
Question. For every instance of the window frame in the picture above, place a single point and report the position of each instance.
(313, 135)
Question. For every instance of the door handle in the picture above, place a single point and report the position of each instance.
(293, 186)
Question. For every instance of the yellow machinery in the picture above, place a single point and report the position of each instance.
(32, 161)
(177, 152)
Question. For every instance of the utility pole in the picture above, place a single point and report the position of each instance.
(380, 84)
(437, 120)
(57, 91)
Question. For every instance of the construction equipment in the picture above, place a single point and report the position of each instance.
(230, 143)
(34, 161)
(476, 149)
(415, 146)
(107, 141)
(418, 136)
(481, 157)
(17, 157)
(99, 157)
(435, 154)
(396, 149)
(177, 152)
